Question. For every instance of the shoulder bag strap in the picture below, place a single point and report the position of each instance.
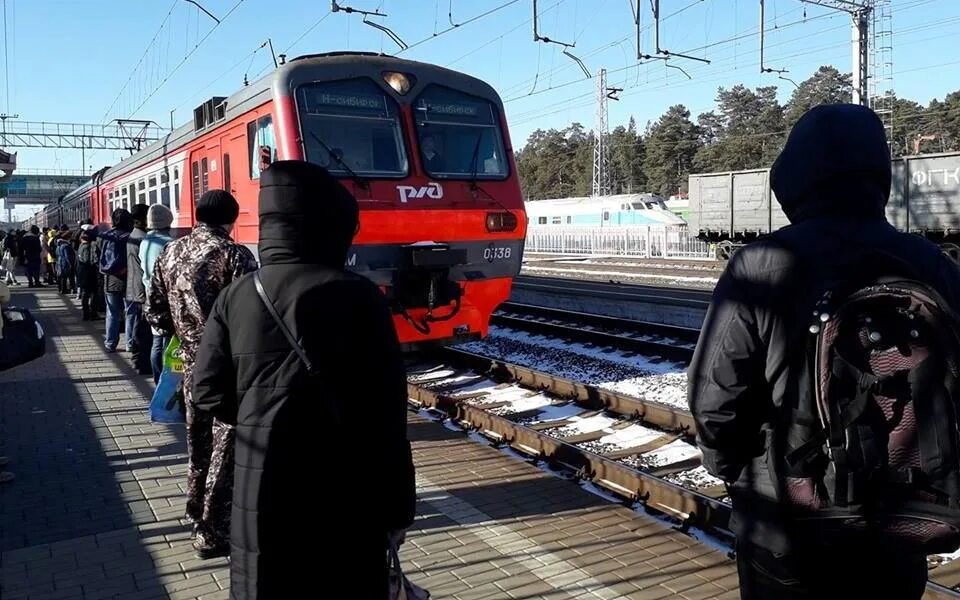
(283, 327)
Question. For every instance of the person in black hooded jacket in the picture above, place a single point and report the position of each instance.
(833, 182)
(294, 428)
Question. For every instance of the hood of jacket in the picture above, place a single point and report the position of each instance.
(835, 163)
(306, 216)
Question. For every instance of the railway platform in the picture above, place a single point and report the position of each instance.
(95, 511)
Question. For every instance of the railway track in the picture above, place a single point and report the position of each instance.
(631, 292)
(640, 451)
(666, 341)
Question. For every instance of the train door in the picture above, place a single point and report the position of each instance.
(236, 180)
(205, 174)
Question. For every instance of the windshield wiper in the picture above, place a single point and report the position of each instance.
(356, 178)
(475, 162)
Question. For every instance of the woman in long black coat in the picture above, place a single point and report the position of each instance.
(323, 471)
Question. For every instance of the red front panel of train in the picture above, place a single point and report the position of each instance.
(442, 221)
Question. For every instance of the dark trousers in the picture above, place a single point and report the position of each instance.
(818, 572)
(33, 273)
(66, 282)
(142, 339)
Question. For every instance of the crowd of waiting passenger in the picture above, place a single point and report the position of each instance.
(253, 406)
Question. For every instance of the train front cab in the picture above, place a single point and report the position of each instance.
(426, 153)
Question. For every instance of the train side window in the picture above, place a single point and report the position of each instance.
(569, 219)
(205, 177)
(555, 220)
(176, 189)
(261, 146)
(153, 197)
(226, 172)
(195, 168)
(542, 221)
(606, 215)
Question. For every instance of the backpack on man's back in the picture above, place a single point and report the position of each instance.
(873, 447)
(113, 252)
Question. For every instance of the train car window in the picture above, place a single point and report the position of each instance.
(140, 184)
(261, 146)
(226, 172)
(459, 135)
(569, 219)
(542, 221)
(556, 221)
(165, 196)
(176, 189)
(153, 197)
(204, 176)
(195, 167)
(351, 125)
(164, 177)
(152, 182)
(142, 198)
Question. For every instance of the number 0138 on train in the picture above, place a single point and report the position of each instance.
(425, 150)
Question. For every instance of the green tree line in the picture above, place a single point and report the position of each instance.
(745, 130)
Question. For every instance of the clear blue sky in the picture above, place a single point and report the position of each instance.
(69, 60)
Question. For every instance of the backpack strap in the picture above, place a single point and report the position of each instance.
(297, 347)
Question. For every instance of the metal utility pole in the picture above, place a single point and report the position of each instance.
(861, 57)
(881, 64)
(601, 148)
(601, 157)
(861, 13)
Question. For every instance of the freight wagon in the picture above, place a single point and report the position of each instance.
(734, 208)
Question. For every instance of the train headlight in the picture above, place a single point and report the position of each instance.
(501, 221)
(400, 82)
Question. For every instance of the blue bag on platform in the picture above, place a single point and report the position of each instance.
(167, 405)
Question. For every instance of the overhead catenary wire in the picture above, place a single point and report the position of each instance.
(540, 113)
(146, 50)
(459, 25)
(831, 15)
(586, 99)
(187, 57)
(598, 49)
(500, 37)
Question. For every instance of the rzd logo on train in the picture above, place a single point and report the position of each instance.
(432, 190)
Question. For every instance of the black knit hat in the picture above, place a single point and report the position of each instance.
(217, 207)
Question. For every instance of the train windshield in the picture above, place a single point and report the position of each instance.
(459, 135)
(351, 127)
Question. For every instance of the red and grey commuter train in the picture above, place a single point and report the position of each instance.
(424, 149)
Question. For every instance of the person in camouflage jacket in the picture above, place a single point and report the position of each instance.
(188, 276)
